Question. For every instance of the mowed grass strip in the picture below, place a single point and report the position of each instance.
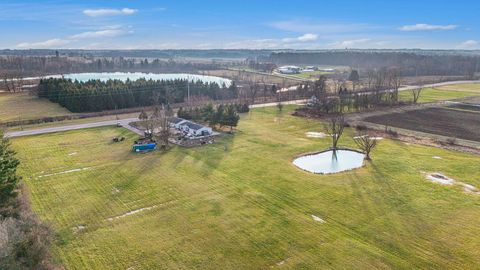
(241, 204)
(23, 106)
(443, 93)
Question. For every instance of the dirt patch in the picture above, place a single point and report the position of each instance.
(280, 263)
(318, 219)
(313, 134)
(64, 172)
(445, 180)
(78, 228)
(133, 212)
(440, 178)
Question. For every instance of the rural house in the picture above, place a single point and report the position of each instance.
(175, 122)
(195, 129)
(189, 128)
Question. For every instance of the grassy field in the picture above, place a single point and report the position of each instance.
(311, 75)
(241, 204)
(473, 87)
(22, 106)
(443, 93)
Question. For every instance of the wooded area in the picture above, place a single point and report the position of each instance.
(95, 95)
(412, 63)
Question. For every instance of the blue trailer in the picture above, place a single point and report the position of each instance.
(144, 147)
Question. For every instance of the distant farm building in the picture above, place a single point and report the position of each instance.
(289, 69)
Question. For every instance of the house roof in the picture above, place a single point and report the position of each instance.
(175, 120)
(192, 125)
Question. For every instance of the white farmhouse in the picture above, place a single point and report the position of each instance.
(194, 129)
(175, 122)
(189, 128)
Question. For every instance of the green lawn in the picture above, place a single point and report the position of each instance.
(22, 106)
(241, 204)
(440, 94)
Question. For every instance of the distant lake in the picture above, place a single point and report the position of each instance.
(123, 76)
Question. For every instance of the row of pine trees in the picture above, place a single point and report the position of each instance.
(96, 95)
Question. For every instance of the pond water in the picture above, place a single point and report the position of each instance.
(328, 162)
(123, 76)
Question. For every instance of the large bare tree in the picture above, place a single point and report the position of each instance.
(334, 128)
(395, 81)
(161, 124)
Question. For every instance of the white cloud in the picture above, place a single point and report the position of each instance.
(51, 43)
(427, 27)
(308, 37)
(469, 44)
(101, 33)
(105, 32)
(350, 43)
(109, 12)
(303, 38)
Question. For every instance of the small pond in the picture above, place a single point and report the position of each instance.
(328, 162)
(123, 76)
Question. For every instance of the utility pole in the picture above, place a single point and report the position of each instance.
(188, 90)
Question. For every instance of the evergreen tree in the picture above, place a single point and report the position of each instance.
(8, 176)
(230, 117)
(208, 114)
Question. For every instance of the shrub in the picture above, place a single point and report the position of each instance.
(391, 132)
(361, 127)
(451, 141)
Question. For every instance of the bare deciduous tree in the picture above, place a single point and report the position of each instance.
(395, 81)
(161, 124)
(334, 128)
(416, 94)
(366, 143)
(253, 91)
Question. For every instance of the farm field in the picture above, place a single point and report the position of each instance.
(250, 76)
(241, 204)
(22, 106)
(442, 121)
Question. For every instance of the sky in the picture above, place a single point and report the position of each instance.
(240, 24)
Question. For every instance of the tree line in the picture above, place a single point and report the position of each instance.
(14, 66)
(96, 95)
(410, 63)
(384, 93)
(221, 115)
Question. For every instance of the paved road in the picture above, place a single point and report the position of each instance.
(126, 122)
